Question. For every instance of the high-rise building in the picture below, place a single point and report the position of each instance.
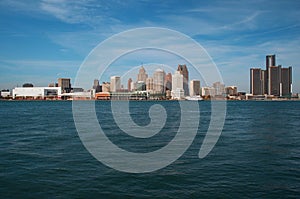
(264, 76)
(64, 84)
(270, 61)
(194, 87)
(256, 81)
(159, 81)
(219, 88)
(184, 71)
(286, 81)
(168, 81)
(149, 84)
(177, 86)
(96, 86)
(115, 83)
(129, 84)
(142, 76)
(274, 80)
(105, 86)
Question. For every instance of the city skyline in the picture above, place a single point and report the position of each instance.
(45, 40)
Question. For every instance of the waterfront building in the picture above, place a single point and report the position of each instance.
(106, 87)
(4, 93)
(286, 81)
(140, 86)
(219, 88)
(96, 86)
(231, 90)
(64, 84)
(158, 81)
(184, 71)
(168, 82)
(129, 84)
(274, 81)
(256, 81)
(115, 83)
(194, 87)
(177, 86)
(142, 75)
(133, 86)
(208, 91)
(149, 84)
(36, 92)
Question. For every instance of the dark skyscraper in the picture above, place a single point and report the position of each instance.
(274, 81)
(184, 71)
(286, 81)
(256, 81)
(270, 61)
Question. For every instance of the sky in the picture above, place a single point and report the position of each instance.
(47, 39)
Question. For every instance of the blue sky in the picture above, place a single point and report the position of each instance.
(47, 39)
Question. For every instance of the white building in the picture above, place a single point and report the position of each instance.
(115, 83)
(5, 93)
(177, 86)
(208, 91)
(36, 92)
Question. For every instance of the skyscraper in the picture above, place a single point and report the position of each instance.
(129, 84)
(142, 76)
(96, 86)
(270, 61)
(194, 87)
(256, 81)
(184, 71)
(159, 81)
(149, 84)
(219, 88)
(168, 81)
(286, 81)
(177, 86)
(115, 83)
(274, 80)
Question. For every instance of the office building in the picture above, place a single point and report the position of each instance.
(286, 81)
(219, 88)
(168, 82)
(96, 86)
(129, 84)
(231, 90)
(184, 71)
(177, 86)
(208, 91)
(64, 84)
(142, 75)
(149, 84)
(274, 80)
(256, 81)
(270, 61)
(106, 87)
(115, 83)
(194, 87)
(159, 81)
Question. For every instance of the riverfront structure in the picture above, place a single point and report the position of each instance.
(274, 81)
